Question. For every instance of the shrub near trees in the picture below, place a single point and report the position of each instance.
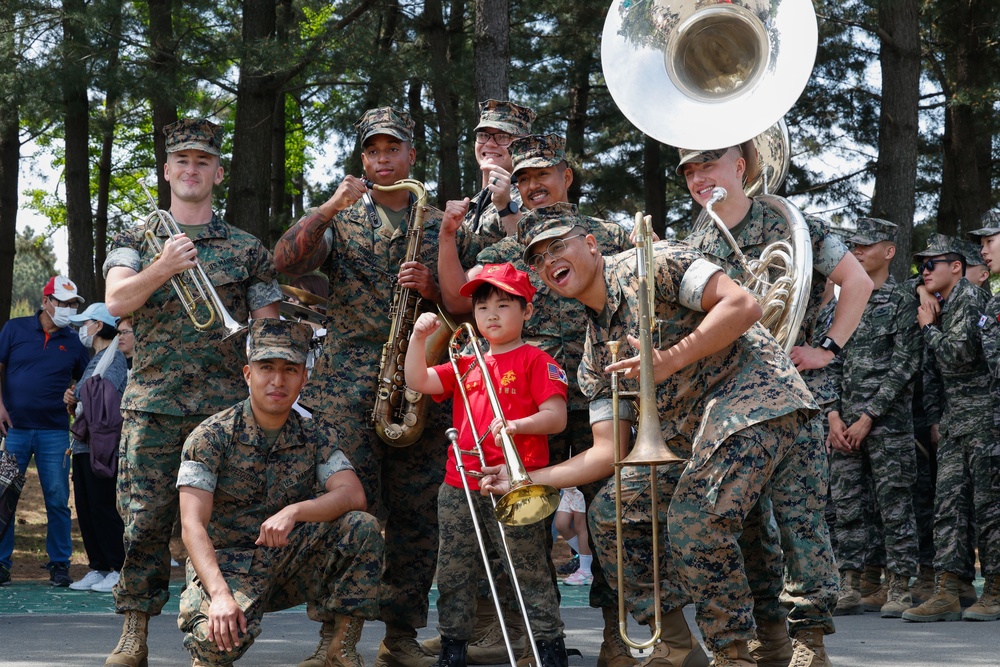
(898, 119)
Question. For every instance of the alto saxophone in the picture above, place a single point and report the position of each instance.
(399, 415)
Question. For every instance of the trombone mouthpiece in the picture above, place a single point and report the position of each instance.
(452, 434)
(718, 194)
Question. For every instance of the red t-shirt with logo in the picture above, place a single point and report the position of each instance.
(524, 378)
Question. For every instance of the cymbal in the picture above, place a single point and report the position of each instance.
(293, 311)
(305, 297)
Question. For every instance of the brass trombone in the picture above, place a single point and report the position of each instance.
(196, 278)
(524, 504)
(650, 449)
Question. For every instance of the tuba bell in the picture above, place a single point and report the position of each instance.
(711, 74)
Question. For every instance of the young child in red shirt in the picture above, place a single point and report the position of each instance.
(531, 388)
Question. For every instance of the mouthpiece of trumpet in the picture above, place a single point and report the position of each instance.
(719, 194)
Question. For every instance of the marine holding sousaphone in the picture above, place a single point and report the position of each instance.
(712, 79)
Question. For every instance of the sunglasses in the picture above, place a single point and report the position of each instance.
(929, 264)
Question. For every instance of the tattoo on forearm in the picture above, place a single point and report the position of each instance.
(302, 248)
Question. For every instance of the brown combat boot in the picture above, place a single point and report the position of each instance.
(967, 594)
(342, 647)
(873, 592)
(772, 648)
(987, 608)
(487, 646)
(898, 597)
(736, 654)
(923, 586)
(486, 624)
(678, 647)
(849, 602)
(808, 649)
(943, 605)
(318, 657)
(399, 648)
(614, 651)
(131, 650)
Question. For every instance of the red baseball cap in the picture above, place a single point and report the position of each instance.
(504, 276)
(62, 288)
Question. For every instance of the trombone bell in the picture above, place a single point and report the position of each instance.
(527, 504)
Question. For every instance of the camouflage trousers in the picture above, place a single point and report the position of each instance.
(876, 482)
(923, 497)
(709, 501)
(333, 567)
(460, 562)
(789, 560)
(401, 486)
(968, 466)
(637, 562)
(149, 457)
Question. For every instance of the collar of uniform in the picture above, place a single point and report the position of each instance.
(884, 293)
(753, 228)
(286, 438)
(613, 291)
(217, 228)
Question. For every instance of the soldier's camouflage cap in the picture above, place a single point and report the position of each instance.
(940, 244)
(196, 134)
(873, 230)
(385, 120)
(697, 156)
(537, 150)
(547, 222)
(272, 338)
(505, 116)
(990, 225)
(971, 252)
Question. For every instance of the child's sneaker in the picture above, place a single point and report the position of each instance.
(578, 579)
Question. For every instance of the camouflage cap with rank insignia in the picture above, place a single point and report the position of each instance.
(272, 338)
(990, 225)
(547, 222)
(697, 156)
(537, 150)
(939, 244)
(506, 117)
(385, 120)
(873, 230)
(193, 134)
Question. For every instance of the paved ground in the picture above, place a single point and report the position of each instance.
(77, 637)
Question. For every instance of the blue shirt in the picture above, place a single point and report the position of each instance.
(38, 368)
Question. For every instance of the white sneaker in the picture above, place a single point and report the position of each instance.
(578, 578)
(106, 584)
(88, 580)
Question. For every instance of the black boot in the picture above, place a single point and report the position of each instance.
(452, 652)
(552, 652)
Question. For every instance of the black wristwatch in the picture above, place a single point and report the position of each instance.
(830, 344)
(509, 209)
(929, 326)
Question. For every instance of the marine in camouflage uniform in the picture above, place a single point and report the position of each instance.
(969, 449)
(247, 472)
(180, 375)
(735, 413)
(808, 568)
(873, 376)
(363, 243)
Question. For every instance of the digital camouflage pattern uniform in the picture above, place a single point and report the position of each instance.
(400, 483)
(991, 326)
(808, 568)
(734, 414)
(558, 326)
(874, 373)
(968, 455)
(333, 566)
(180, 376)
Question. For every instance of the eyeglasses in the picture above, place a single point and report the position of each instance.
(929, 264)
(124, 332)
(555, 251)
(501, 138)
(64, 304)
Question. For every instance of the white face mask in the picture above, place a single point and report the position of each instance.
(60, 316)
(86, 338)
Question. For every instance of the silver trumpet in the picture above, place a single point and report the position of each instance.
(203, 294)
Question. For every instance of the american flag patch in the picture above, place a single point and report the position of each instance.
(558, 374)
